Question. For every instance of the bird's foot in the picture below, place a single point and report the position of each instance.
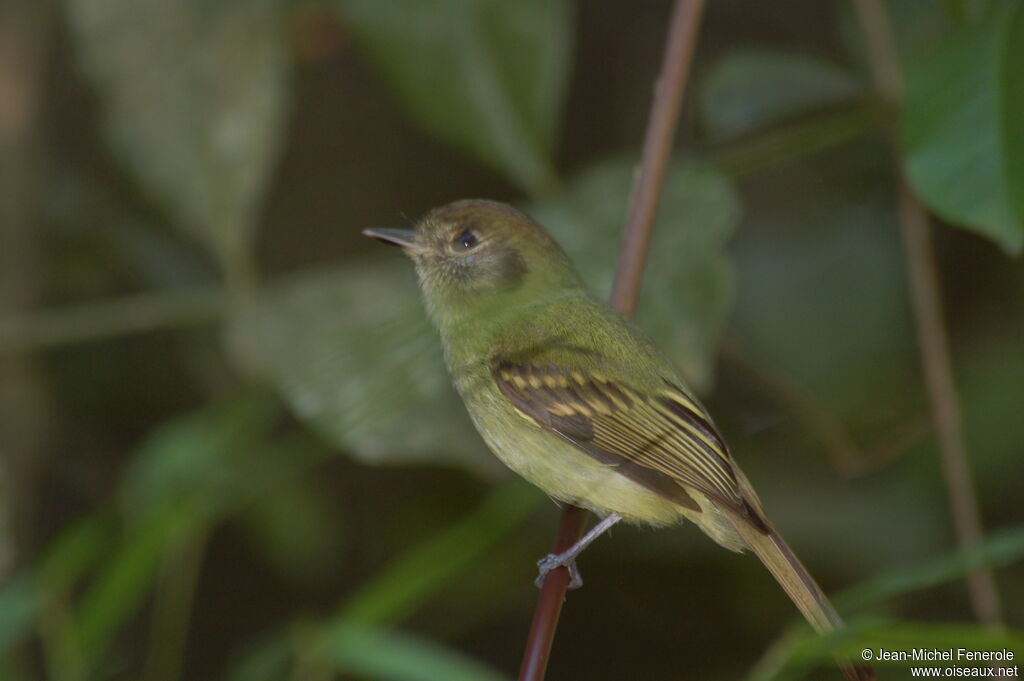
(551, 561)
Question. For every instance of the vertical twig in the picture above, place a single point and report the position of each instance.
(25, 37)
(931, 329)
(661, 130)
(661, 127)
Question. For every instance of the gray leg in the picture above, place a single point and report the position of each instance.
(567, 558)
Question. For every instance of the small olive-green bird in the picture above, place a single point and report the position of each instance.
(577, 399)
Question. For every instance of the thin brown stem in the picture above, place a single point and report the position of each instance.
(658, 139)
(661, 131)
(926, 298)
(945, 404)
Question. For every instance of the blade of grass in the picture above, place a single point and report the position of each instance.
(414, 576)
(1000, 548)
(393, 656)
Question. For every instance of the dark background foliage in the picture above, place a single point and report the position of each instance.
(228, 448)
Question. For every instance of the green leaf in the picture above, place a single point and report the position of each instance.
(266, 659)
(199, 456)
(907, 635)
(185, 474)
(402, 586)
(917, 26)
(353, 354)
(689, 280)
(799, 646)
(193, 96)
(395, 656)
(75, 549)
(485, 75)
(962, 130)
(752, 88)
(808, 246)
(299, 528)
(1000, 548)
(128, 573)
(802, 649)
(415, 575)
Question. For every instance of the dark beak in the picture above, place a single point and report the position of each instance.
(405, 238)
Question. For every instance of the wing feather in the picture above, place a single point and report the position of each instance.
(665, 440)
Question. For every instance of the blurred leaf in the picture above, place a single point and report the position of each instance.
(1000, 548)
(299, 528)
(353, 354)
(916, 25)
(688, 290)
(802, 649)
(128, 573)
(18, 604)
(485, 75)
(990, 374)
(400, 587)
(266, 659)
(76, 548)
(199, 456)
(793, 140)
(395, 656)
(962, 127)
(193, 95)
(821, 236)
(798, 645)
(414, 576)
(42, 593)
(751, 88)
(185, 474)
(905, 635)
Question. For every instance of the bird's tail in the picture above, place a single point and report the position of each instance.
(797, 582)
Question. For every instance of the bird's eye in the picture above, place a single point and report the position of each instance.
(466, 239)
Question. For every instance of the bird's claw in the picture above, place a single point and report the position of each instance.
(557, 560)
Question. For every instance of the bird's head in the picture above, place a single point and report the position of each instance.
(474, 252)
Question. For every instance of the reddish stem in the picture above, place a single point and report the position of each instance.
(661, 128)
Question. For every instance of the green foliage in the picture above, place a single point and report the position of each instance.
(195, 459)
(485, 75)
(407, 583)
(17, 611)
(392, 656)
(300, 528)
(410, 579)
(1002, 547)
(799, 648)
(191, 104)
(747, 89)
(352, 352)
(127, 575)
(193, 96)
(876, 633)
(962, 127)
(798, 256)
(916, 26)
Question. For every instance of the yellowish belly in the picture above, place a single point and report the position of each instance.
(564, 471)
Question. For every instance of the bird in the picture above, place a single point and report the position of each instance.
(578, 400)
